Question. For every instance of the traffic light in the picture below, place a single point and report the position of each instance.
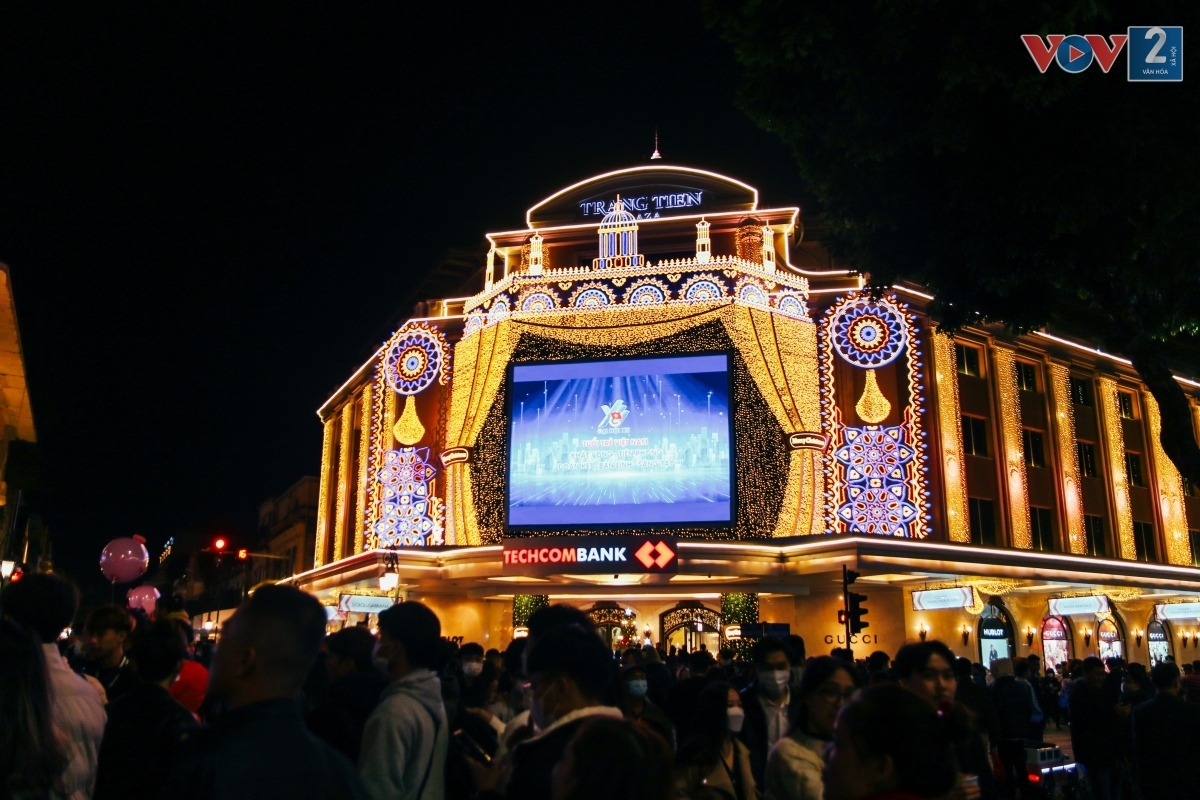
(856, 611)
(841, 616)
(220, 544)
(243, 554)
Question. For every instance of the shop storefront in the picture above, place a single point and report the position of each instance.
(1056, 642)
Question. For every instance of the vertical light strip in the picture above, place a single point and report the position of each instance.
(1114, 437)
(364, 471)
(343, 481)
(389, 422)
(323, 494)
(1068, 456)
(954, 473)
(1170, 491)
(1014, 447)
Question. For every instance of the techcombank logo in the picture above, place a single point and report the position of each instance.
(1155, 52)
(616, 554)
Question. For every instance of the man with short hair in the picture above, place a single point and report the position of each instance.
(45, 604)
(259, 747)
(354, 689)
(405, 741)
(145, 725)
(1094, 730)
(769, 703)
(570, 671)
(105, 636)
(1165, 731)
(638, 707)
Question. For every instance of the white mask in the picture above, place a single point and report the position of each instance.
(472, 669)
(774, 681)
(736, 717)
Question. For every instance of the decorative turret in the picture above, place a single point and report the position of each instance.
(750, 240)
(768, 249)
(618, 240)
(536, 259)
(490, 275)
(703, 243)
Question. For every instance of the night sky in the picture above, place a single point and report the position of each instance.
(214, 213)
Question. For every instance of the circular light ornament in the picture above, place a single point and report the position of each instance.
(414, 360)
(868, 334)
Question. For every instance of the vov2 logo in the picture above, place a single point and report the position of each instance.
(1155, 52)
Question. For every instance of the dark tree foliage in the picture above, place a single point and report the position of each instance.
(940, 155)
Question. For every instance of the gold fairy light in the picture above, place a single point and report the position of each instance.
(409, 430)
(954, 473)
(364, 461)
(1170, 490)
(1068, 456)
(1014, 448)
(341, 507)
(872, 407)
(1115, 438)
(323, 492)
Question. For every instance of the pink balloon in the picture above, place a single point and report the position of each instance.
(125, 560)
(143, 597)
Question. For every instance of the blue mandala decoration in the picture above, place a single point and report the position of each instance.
(539, 300)
(414, 359)
(404, 478)
(703, 287)
(648, 292)
(474, 322)
(791, 304)
(592, 295)
(874, 462)
(868, 334)
(752, 292)
(499, 310)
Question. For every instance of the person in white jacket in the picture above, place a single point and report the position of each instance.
(403, 755)
(45, 604)
(795, 762)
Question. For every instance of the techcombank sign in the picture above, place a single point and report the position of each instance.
(590, 555)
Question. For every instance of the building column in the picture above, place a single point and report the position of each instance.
(364, 471)
(1063, 409)
(1169, 487)
(323, 493)
(954, 472)
(342, 507)
(1013, 447)
(1114, 446)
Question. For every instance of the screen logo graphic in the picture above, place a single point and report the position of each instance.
(1073, 53)
(1156, 53)
(656, 554)
(614, 414)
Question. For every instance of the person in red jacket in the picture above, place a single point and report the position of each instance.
(190, 687)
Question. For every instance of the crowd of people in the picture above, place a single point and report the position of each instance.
(124, 707)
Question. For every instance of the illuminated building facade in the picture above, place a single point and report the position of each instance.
(656, 361)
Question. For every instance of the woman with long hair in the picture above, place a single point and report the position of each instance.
(31, 757)
(795, 763)
(711, 762)
(889, 744)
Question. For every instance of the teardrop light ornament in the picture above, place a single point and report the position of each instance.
(872, 407)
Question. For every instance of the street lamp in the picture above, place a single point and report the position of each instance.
(389, 581)
(6, 569)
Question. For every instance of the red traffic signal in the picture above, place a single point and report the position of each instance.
(243, 554)
(220, 544)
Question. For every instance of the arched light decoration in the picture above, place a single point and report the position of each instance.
(618, 240)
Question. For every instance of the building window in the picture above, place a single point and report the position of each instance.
(1081, 391)
(1087, 460)
(1189, 488)
(1125, 402)
(1035, 454)
(1093, 532)
(1143, 541)
(1194, 537)
(1041, 520)
(1027, 376)
(1133, 468)
(974, 433)
(968, 360)
(983, 521)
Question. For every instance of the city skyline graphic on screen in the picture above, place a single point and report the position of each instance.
(637, 441)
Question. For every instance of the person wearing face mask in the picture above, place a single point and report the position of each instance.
(403, 755)
(712, 762)
(769, 703)
(795, 762)
(638, 707)
(570, 672)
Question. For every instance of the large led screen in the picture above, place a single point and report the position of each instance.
(640, 441)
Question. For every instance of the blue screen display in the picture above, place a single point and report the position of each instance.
(638, 441)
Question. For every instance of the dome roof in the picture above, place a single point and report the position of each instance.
(618, 218)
